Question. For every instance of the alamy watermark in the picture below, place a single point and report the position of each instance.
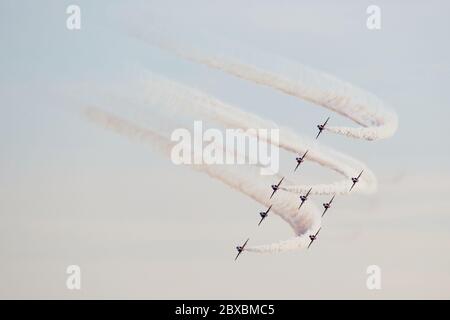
(73, 281)
(373, 281)
(374, 19)
(73, 21)
(237, 146)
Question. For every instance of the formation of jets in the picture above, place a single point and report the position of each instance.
(303, 198)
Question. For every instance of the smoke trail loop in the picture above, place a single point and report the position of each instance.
(375, 121)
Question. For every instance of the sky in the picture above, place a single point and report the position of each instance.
(140, 227)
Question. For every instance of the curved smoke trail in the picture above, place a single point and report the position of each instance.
(177, 98)
(362, 107)
(246, 180)
(376, 121)
(354, 103)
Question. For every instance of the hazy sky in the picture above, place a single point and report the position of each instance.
(140, 227)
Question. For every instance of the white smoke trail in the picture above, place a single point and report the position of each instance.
(356, 104)
(174, 97)
(180, 99)
(246, 180)
(364, 108)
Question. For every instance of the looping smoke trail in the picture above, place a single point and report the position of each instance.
(376, 120)
(246, 180)
(356, 104)
(178, 98)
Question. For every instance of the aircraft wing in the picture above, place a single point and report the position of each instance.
(269, 209)
(331, 199)
(318, 231)
(324, 211)
(298, 163)
(300, 205)
(307, 194)
(320, 131)
(326, 122)
(352, 186)
(237, 255)
(304, 155)
(280, 182)
(261, 220)
(273, 193)
(360, 174)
